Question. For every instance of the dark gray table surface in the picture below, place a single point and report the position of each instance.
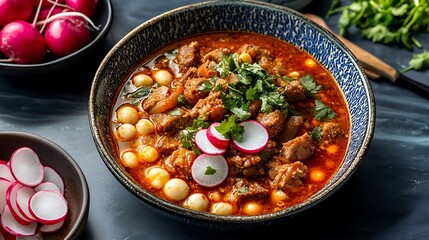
(387, 198)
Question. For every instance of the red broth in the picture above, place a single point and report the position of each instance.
(197, 81)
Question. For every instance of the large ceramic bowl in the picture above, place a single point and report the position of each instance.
(273, 20)
(102, 18)
(76, 190)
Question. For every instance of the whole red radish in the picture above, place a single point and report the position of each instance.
(45, 3)
(86, 7)
(21, 42)
(14, 10)
(45, 11)
(66, 35)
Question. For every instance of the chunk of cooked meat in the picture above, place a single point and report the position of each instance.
(162, 99)
(243, 190)
(273, 121)
(209, 108)
(331, 131)
(180, 162)
(216, 55)
(299, 148)
(290, 129)
(192, 92)
(171, 123)
(245, 165)
(187, 56)
(287, 175)
(167, 144)
(294, 91)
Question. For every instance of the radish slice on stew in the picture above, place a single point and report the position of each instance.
(22, 197)
(4, 185)
(48, 207)
(50, 175)
(204, 145)
(216, 138)
(12, 226)
(255, 137)
(26, 167)
(11, 202)
(51, 227)
(209, 170)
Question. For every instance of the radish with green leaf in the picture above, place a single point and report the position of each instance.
(255, 137)
(209, 170)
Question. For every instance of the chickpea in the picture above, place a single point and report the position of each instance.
(252, 208)
(127, 114)
(278, 195)
(145, 127)
(126, 132)
(310, 63)
(222, 208)
(197, 201)
(163, 77)
(245, 57)
(148, 154)
(129, 159)
(176, 189)
(157, 177)
(142, 79)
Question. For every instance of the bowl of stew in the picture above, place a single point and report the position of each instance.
(231, 113)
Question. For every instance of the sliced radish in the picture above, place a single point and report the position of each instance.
(209, 170)
(26, 167)
(5, 172)
(204, 145)
(255, 137)
(11, 202)
(12, 226)
(50, 186)
(51, 227)
(22, 198)
(216, 138)
(4, 185)
(48, 207)
(50, 175)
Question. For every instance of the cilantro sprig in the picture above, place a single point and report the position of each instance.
(253, 83)
(230, 128)
(188, 134)
(323, 111)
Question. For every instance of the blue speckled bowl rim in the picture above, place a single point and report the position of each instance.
(102, 77)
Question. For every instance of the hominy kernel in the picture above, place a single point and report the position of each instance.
(148, 154)
(163, 77)
(222, 208)
(278, 195)
(126, 132)
(317, 175)
(332, 149)
(245, 57)
(145, 127)
(129, 159)
(294, 74)
(197, 201)
(176, 189)
(127, 114)
(310, 63)
(142, 79)
(157, 177)
(252, 208)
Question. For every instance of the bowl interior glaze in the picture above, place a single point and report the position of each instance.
(213, 16)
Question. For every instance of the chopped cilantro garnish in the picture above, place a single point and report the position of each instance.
(322, 111)
(187, 135)
(316, 134)
(209, 171)
(310, 87)
(139, 94)
(175, 112)
(229, 128)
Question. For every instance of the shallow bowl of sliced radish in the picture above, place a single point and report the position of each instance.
(52, 43)
(43, 191)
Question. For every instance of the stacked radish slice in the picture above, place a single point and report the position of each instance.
(31, 195)
(210, 168)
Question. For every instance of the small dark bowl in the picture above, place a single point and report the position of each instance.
(76, 190)
(103, 17)
(249, 16)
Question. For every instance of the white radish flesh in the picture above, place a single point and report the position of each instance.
(48, 207)
(4, 185)
(12, 226)
(255, 137)
(11, 202)
(204, 145)
(208, 170)
(51, 227)
(50, 175)
(5, 172)
(22, 198)
(48, 186)
(216, 138)
(26, 167)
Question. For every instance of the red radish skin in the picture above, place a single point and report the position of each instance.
(217, 139)
(215, 162)
(13, 227)
(11, 202)
(47, 228)
(22, 43)
(204, 145)
(15, 10)
(48, 207)
(86, 7)
(45, 3)
(5, 172)
(66, 35)
(4, 185)
(26, 167)
(22, 197)
(45, 11)
(255, 137)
